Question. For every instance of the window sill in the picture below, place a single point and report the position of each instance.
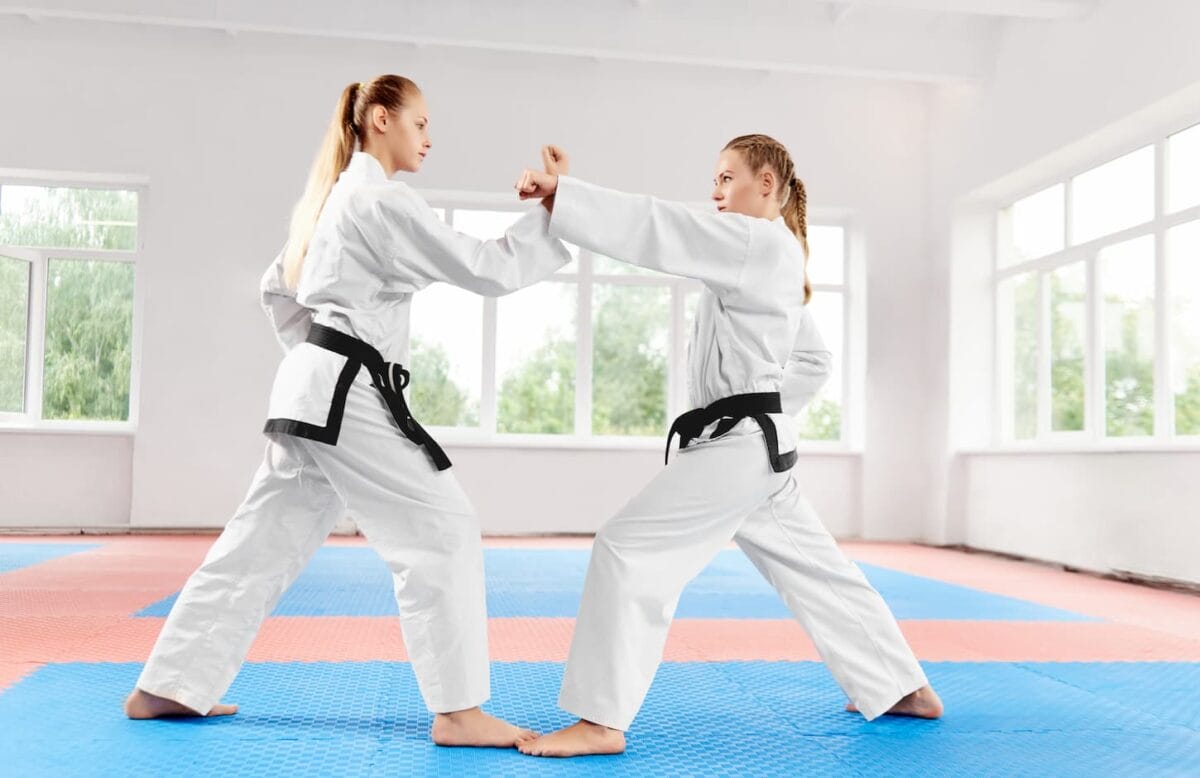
(1149, 447)
(99, 428)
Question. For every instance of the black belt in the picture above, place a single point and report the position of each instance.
(729, 411)
(389, 383)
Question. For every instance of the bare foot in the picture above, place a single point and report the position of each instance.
(473, 727)
(579, 739)
(143, 705)
(922, 704)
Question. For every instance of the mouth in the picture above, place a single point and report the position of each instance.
(721, 208)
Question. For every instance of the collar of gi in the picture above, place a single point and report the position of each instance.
(366, 166)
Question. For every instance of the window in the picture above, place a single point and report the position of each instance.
(1183, 170)
(1034, 226)
(67, 266)
(596, 350)
(1127, 289)
(1068, 341)
(1183, 262)
(1113, 197)
(1098, 337)
(821, 419)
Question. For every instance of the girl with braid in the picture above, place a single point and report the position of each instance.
(755, 359)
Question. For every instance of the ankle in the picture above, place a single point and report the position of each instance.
(457, 715)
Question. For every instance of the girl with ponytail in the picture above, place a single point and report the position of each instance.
(340, 434)
(755, 359)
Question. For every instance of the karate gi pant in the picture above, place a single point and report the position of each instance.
(643, 557)
(417, 519)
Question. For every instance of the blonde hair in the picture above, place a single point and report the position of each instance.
(761, 151)
(346, 131)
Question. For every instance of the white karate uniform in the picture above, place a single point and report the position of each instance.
(375, 244)
(752, 333)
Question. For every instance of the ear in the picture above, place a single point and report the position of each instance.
(379, 118)
(766, 182)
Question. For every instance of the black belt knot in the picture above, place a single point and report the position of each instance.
(729, 411)
(390, 383)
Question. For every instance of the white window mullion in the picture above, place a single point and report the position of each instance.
(1164, 405)
(1095, 389)
(583, 346)
(846, 418)
(36, 342)
(489, 390)
(677, 367)
(139, 306)
(1043, 364)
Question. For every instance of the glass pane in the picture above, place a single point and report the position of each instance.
(826, 254)
(14, 332)
(484, 225)
(446, 359)
(535, 359)
(1114, 196)
(1183, 169)
(64, 217)
(1183, 254)
(1018, 328)
(602, 265)
(1127, 281)
(1068, 344)
(89, 327)
(821, 419)
(1034, 226)
(631, 353)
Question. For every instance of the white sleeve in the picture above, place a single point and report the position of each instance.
(657, 234)
(808, 367)
(290, 319)
(419, 248)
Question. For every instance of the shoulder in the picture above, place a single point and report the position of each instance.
(373, 200)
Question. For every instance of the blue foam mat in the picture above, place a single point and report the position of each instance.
(738, 718)
(548, 583)
(14, 556)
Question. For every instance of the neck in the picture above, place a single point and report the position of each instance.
(375, 150)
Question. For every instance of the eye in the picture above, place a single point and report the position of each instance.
(726, 178)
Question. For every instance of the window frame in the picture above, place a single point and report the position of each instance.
(1094, 435)
(31, 420)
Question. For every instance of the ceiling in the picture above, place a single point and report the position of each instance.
(924, 41)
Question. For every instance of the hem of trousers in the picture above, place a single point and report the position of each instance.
(878, 705)
(201, 703)
(594, 715)
(465, 702)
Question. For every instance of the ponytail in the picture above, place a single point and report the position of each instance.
(332, 158)
(795, 215)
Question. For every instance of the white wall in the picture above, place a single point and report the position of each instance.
(224, 128)
(1063, 98)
